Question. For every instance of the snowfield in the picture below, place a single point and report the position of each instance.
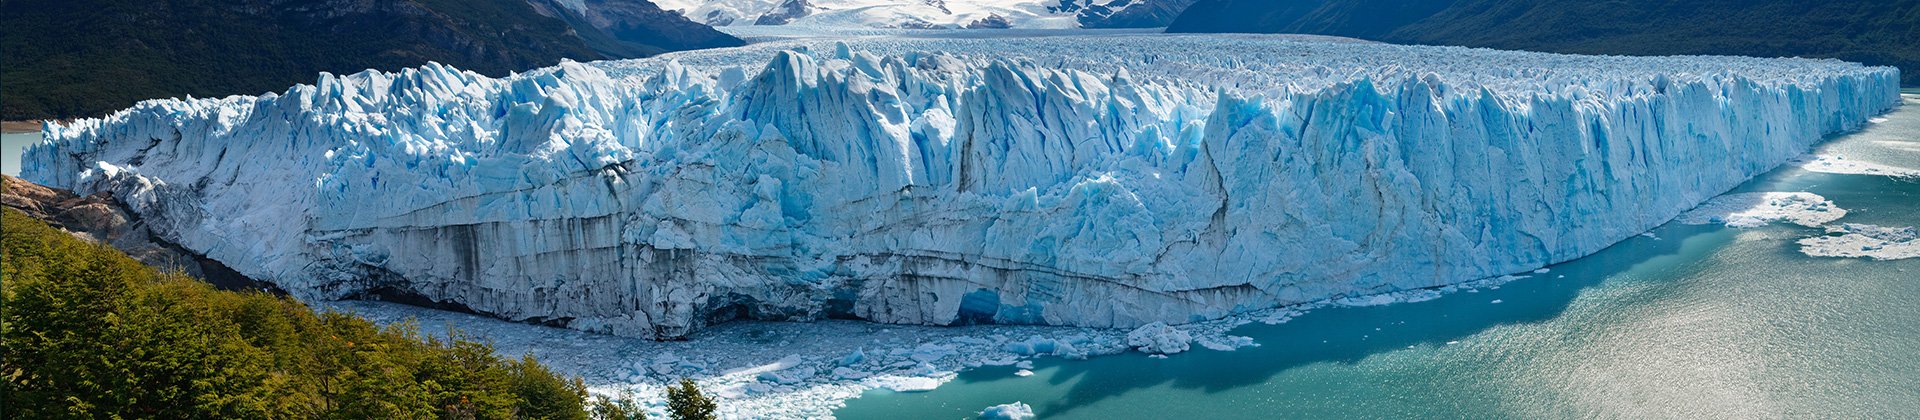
(1086, 181)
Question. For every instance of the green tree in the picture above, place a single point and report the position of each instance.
(684, 402)
(624, 408)
(543, 394)
(86, 332)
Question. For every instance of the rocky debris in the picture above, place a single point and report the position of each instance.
(786, 13)
(632, 28)
(101, 218)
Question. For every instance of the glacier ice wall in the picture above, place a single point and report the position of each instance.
(1107, 182)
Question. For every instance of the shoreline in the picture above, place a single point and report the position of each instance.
(14, 127)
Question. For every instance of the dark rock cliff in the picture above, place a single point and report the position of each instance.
(84, 58)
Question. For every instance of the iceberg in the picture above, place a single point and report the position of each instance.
(1159, 338)
(1015, 411)
(1110, 181)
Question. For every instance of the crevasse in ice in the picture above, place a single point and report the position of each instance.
(1106, 182)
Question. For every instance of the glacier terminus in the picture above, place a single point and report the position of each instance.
(1114, 181)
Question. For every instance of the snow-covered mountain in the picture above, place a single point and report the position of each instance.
(1093, 181)
(926, 14)
(631, 28)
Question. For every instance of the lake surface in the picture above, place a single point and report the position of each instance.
(1693, 322)
(11, 146)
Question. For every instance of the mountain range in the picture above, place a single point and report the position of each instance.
(934, 14)
(78, 58)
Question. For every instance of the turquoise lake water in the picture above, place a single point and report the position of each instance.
(11, 146)
(1696, 322)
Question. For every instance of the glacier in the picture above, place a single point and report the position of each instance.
(1114, 181)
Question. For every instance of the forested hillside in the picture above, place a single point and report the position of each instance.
(84, 58)
(86, 331)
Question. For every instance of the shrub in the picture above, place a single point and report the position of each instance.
(86, 331)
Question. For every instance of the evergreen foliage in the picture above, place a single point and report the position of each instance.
(86, 332)
(84, 58)
(621, 409)
(685, 402)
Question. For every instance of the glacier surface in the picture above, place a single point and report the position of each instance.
(1088, 181)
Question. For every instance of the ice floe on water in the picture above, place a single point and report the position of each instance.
(1748, 210)
(763, 369)
(1853, 240)
(1158, 338)
(782, 370)
(1015, 411)
(1835, 164)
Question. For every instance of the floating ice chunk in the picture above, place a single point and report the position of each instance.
(846, 374)
(1023, 373)
(1542, 271)
(850, 359)
(1068, 350)
(905, 383)
(1363, 301)
(931, 352)
(1496, 301)
(1421, 295)
(1159, 338)
(1014, 411)
(1749, 210)
(783, 363)
(664, 364)
(971, 340)
(788, 377)
(1036, 346)
(1836, 164)
(1227, 343)
(999, 361)
(926, 369)
(1854, 240)
(757, 389)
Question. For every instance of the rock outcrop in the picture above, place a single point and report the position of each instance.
(101, 219)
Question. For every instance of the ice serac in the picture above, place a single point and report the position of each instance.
(1100, 181)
